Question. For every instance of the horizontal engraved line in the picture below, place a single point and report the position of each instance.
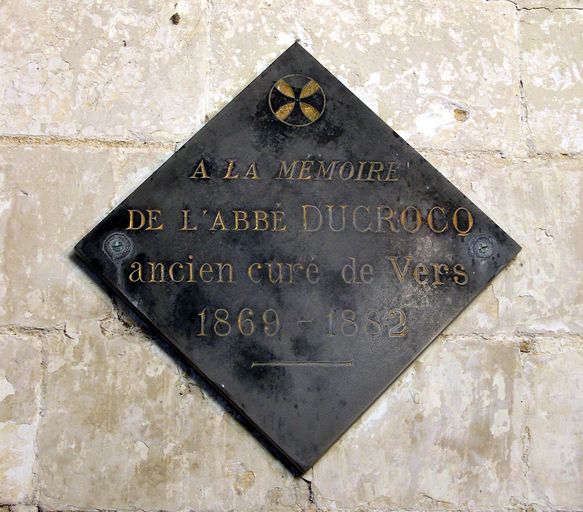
(256, 364)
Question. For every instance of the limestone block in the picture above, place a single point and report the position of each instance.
(554, 437)
(24, 508)
(445, 435)
(539, 203)
(442, 74)
(51, 196)
(124, 428)
(103, 69)
(548, 5)
(20, 396)
(551, 67)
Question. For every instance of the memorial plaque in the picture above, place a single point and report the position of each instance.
(298, 253)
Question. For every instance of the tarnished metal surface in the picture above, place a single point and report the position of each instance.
(298, 253)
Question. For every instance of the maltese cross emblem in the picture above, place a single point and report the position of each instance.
(297, 100)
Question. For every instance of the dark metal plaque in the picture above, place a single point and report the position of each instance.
(298, 253)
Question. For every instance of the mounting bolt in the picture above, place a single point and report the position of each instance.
(482, 246)
(117, 246)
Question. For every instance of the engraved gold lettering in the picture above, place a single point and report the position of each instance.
(306, 217)
(278, 221)
(331, 209)
(285, 171)
(200, 172)
(190, 265)
(228, 267)
(351, 274)
(372, 327)
(362, 170)
(185, 218)
(430, 221)
(278, 272)
(420, 273)
(361, 165)
(375, 168)
(153, 268)
(460, 276)
(341, 171)
(469, 221)
(229, 173)
(392, 172)
(366, 273)
(136, 273)
(218, 223)
(251, 274)
(386, 214)
(348, 327)
(405, 218)
(305, 170)
(240, 217)
(252, 172)
(204, 270)
(355, 223)
(312, 273)
(149, 221)
(131, 224)
(222, 326)
(187, 272)
(399, 330)
(326, 173)
(275, 272)
(261, 220)
(152, 218)
(400, 273)
(245, 322)
(171, 272)
(271, 327)
(437, 273)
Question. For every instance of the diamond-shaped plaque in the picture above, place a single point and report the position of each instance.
(298, 253)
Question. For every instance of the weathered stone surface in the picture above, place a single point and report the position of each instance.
(50, 196)
(547, 5)
(445, 435)
(441, 75)
(553, 439)
(537, 202)
(23, 508)
(20, 399)
(100, 69)
(551, 67)
(125, 428)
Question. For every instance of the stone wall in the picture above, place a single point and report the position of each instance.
(94, 413)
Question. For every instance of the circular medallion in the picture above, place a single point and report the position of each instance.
(482, 246)
(297, 100)
(117, 246)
